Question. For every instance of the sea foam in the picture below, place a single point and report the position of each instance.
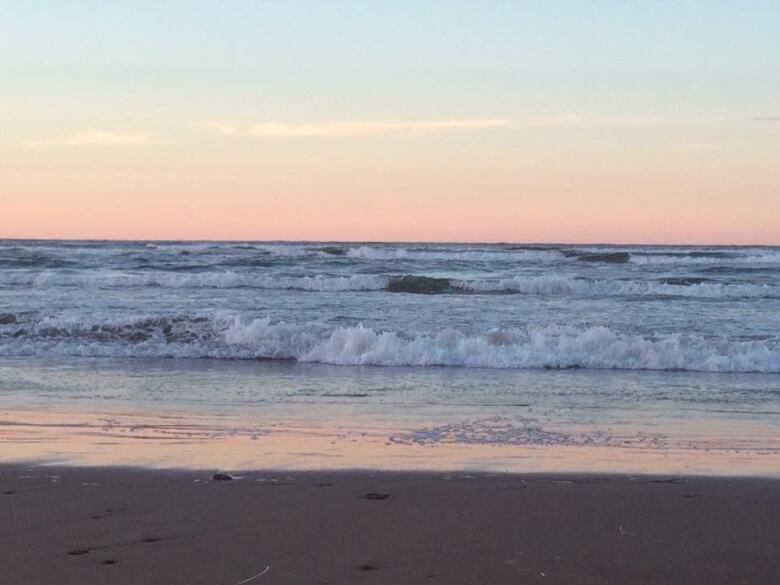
(234, 337)
(405, 283)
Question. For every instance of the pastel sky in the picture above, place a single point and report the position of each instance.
(534, 121)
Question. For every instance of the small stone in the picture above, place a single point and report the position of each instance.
(376, 496)
(222, 477)
(368, 567)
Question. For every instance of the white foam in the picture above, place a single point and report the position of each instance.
(537, 285)
(545, 347)
(741, 257)
(561, 285)
(213, 279)
(374, 253)
(233, 337)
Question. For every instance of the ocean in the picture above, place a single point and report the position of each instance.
(668, 352)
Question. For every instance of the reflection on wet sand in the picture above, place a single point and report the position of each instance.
(191, 440)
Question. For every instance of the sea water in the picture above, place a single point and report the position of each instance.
(656, 349)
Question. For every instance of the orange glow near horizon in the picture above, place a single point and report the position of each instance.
(458, 209)
(504, 182)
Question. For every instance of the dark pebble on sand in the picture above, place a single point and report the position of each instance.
(376, 496)
(368, 568)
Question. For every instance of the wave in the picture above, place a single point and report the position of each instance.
(686, 280)
(719, 258)
(375, 253)
(691, 254)
(609, 258)
(415, 284)
(237, 248)
(560, 285)
(211, 279)
(642, 257)
(232, 337)
(59, 254)
(8, 318)
(420, 284)
(331, 250)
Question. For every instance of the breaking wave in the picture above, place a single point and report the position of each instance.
(415, 284)
(728, 258)
(561, 285)
(211, 279)
(232, 337)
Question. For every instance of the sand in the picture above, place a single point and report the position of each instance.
(128, 526)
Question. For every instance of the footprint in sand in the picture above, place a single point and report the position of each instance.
(83, 551)
(108, 512)
(78, 552)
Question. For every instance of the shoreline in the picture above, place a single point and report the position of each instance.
(118, 525)
(341, 437)
(238, 474)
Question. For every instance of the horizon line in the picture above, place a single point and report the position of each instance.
(383, 242)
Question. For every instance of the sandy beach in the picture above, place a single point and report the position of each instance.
(130, 526)
(389, 293)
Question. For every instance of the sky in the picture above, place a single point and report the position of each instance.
(523, 121)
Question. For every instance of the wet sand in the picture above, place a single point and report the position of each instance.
(129, 526)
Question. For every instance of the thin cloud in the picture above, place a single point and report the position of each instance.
(223, 128)
(766, 119)
(339, 129)
(365, 128)
(571, 120)
(413, 128)
(701, 147)
(94, 138)
(559, 121)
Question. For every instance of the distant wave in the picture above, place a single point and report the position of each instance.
(210, 279)
(415, 284)
(232, 337)
(682, 287)
(380, 253)
(420, 284)
(608, 258)
(720, 258)
(520, 253)
(364, 252)
(54, 255)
